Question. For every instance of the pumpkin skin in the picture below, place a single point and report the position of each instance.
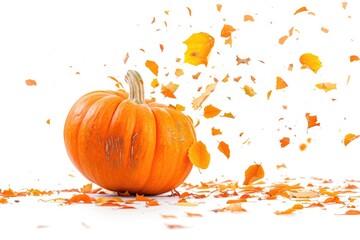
(122, 142)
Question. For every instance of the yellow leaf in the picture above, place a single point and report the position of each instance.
(199, 155)
(154, 68)
(249, 91)
(154, 83)
(199, 46)
(224, 148)
(309, 60)
(326, 86)
(210, 111)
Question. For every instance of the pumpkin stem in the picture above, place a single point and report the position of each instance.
(136, 85)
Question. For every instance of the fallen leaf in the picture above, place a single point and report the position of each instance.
(80, 198)
(249, 91)
(290, 210)
(210, 111)
(352, 212)
(309, 60)
(349, 138)
(199, 46)
(302, 9)
(30, 82)
(284, 141)
(312, 120)
(224, 148)
(175, 226)
(193, 214)
(280, 83)
(154, 68)
(326, 86)
(228, 115)
(354, 58)
(235, 207)
(199, 155)
(253, 173)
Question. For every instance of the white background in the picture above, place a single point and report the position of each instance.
(51, 41)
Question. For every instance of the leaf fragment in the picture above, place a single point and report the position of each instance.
(349, 138)
(284, 142)
(199, 46)
(224, 148)
(280, 83)
(248, 18)
(199, 155)
(302, 9)
(152, 66)
(210, 111)
(312, 120)
(253, 173)
(354, 58)
(309, 60)
(227, 30)
(30, 82)
(249, 91)
(326, 86)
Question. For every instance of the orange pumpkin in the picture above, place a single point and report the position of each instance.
(123, 142)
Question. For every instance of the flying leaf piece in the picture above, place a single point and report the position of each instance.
(349, 138)
(284, 141)
(224, 148)
(253, 173)
(326, 86)
(199, 46)
(210, 111)
(154, 68)
(30, 82)
(227, 30)
(309, 60)
(312, 120)
(354, 58)
(199, 155)
(169, 89)
(249, 91)
(302, 9)
(248, 18)
(215, 131)
(280, 83)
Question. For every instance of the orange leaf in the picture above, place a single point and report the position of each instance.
(154, 68)
(248, 18)
(30, 82)
(280, 83)
(312, 120)
(302, 9)
(349, 138)
(80, 198)
(352, 212)
(218, 7)
(199, 155)
(325, 30)
(169, 89)
(210, 111)
(303, 146)
(326, 86)
(179, 72)
(253, 173)
(154, 83)
(152, 203)
(354, 58)
(249, 91)
(283, 39)
(215, 131)
(86, 188)
(235, 207)
(224, 148)
(3, 200)
(284, 141)
(228, 115)
(199, 46)
(309, 60)
(193, 214)
(142, 198)
(227, 30)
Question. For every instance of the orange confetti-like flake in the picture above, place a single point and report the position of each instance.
(354, 58)
(302, 9)
(30, 82)
(249, 91)
(283, 39)
(80, 198)
(199, 155)
(218, 7)
(227, 30)
(215, 131)
(309, 60)
(199, 46)
(253, 173)
(280, 83)
(349, 138)
(152, 66)
(325, 30)
(248, 18)
(284, 141)
(179, 72)
(312, 120)
(210, 111)
(224, 148)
